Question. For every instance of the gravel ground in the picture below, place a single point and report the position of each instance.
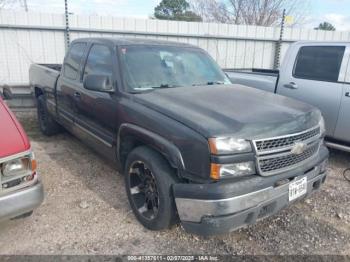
(86, 212)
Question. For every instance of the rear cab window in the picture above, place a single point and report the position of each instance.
(73, 61)
(320, 63)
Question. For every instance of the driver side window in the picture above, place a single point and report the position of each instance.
(99, 61)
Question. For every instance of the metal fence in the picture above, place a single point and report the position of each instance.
(40, 37)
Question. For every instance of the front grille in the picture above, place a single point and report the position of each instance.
(275, 164)
(279, 143)
(274, 155)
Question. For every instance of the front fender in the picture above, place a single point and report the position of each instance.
(166, 148)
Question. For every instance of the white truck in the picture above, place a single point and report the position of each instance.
(317, 73)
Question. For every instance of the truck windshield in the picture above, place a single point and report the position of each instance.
(151, 67)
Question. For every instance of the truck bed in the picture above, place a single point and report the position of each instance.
(56, 67)
(44, 75)
(264, 79)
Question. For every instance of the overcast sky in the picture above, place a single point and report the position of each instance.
(336, 12)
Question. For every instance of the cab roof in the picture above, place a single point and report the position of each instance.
(121, 41)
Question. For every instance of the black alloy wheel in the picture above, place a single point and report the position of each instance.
(143, 189)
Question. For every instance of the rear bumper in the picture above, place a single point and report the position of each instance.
(21, 201)
(225, 208)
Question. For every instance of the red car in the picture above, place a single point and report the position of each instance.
(20, 188)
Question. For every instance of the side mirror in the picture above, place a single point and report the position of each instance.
(100, 83)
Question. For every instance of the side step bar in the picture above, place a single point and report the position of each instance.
(338, 146)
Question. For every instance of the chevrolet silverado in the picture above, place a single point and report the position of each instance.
(192, 146)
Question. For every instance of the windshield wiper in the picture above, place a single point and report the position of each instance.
(139, 90)
(216, 83)
(210, 83)
(164, 86)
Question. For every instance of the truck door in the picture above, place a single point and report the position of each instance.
(69, 82)
(95, 119)
(313, 78)
(342, 130)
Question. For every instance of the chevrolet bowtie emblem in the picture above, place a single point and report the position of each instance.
(298, 148)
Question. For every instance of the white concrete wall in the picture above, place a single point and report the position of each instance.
(39, 37)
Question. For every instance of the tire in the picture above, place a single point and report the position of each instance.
(156, 169)
(47, 124)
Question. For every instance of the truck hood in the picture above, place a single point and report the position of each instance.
(13, 139)
(234, 110)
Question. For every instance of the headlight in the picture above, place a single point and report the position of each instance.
(232, 170)
(15, 167)
(229, 145)
(322, 126)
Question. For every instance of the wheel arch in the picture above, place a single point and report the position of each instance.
(131, 136)
(38, 91)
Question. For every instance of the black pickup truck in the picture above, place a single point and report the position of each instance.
(192, 146)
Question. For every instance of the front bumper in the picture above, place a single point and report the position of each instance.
(208, 209)
(21, 201)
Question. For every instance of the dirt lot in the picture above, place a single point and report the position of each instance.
(86, 212)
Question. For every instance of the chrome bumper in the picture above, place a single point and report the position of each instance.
(21, 201)
(194, 210)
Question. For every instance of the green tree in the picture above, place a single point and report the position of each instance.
(325, 26)
(175, 10)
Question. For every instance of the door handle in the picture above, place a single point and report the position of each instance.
(77, 95)
(291, 85)
(347, 94)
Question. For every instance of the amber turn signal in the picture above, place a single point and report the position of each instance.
(34, 165)
(212, 146)
(215, 171)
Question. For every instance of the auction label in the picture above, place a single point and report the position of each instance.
(171, 258)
